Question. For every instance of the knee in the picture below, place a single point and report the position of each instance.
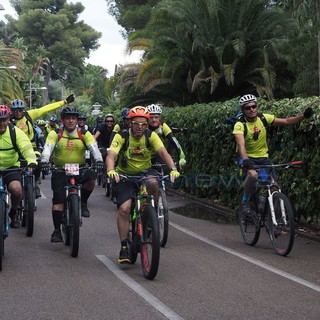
(15, 188)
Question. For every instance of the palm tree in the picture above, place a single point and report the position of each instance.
(211, 49)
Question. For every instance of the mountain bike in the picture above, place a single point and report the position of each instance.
(271, 208)
(162, 207)
(4, 211)
(144, 234)
(72, 219)
(27, 207)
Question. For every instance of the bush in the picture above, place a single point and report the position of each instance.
(211, 155)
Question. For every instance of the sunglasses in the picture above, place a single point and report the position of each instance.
(140, 124)
(18, 110)
(109, 121)
(250, 107)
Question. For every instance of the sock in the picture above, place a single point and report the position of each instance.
(124, 243)
(245, 198)
(85, 194)
(57, 219)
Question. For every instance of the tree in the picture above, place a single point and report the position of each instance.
(54, 25)
(211, 49)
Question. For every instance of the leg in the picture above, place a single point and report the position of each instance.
(15, 189)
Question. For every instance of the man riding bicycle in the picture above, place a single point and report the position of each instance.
(24, 120)
(9, 159)
(251, 137)
(164, 132)
(69, 145)
(134, 157)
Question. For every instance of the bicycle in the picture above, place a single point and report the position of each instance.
(4, 211)
(271, 208)
(72, 219)
(27, 207)
(162, 207)
(144, 234)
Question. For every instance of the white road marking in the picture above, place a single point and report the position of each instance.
(247, 258)
(143, 293)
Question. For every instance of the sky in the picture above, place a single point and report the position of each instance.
(112, 45)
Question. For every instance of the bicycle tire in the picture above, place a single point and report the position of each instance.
(282, 234)
(74, 224)
(163, 217)
(2, 229)
(249, 226)
(150, 242)
(29, 209)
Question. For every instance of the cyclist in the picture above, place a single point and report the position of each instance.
(99, 122)
(164, 131)
(82, 121)
(134, 157)
(103, 133)
(52, 125)
(9, 159)
(251, 138)
(24, 120)
(69, 145)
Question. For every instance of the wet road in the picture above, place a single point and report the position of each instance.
(206, 272)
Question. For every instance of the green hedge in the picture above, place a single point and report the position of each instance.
(211, 158)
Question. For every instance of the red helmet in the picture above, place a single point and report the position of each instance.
(139, 111)
(5, 112)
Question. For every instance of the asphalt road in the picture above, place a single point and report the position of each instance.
(206, 272)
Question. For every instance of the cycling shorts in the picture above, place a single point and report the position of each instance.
(12, 176)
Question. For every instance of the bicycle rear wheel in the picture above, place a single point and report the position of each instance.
(29, 209)
(74, 224)
(249, 223)
(163, 217)
(150, 242)
(2, 229)
(281, 233)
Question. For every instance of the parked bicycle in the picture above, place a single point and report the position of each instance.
(271, 208)
(72, 219)
(144, 234)
(162, 207)
(4, 211)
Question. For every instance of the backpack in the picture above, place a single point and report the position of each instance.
(81, 132)
(13, 137)
(240, 117)
(125, 135)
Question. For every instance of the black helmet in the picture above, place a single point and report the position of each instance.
(69, 111)
(125, 113)
(82, 116)
(99, 119)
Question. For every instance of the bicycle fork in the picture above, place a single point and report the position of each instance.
(273, 215)
(72, 188)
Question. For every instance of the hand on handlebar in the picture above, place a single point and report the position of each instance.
(45, 167)
(113, 175)
(174, 174)
(32, 166)
(247, 164)
(100, 167)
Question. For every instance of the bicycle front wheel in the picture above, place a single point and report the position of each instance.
(74, 227)
(2, 229)
(163, 217)
(150, 242)
(281, 231)
(249, 222)
(29, 209)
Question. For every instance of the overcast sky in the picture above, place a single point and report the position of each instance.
(112, 45)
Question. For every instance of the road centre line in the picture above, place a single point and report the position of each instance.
(143, 293)
(247, 258)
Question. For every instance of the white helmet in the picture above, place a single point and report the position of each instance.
(154, 108)
(246, 99)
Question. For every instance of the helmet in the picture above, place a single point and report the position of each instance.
(246, 99)
(69, 111)
(99, 119)
(125, 113)
(53, 119)
(109, 115)
(5, 112)
(41, 123)
(154, 108)
(139, 111)
(82, 116)
(17, 104)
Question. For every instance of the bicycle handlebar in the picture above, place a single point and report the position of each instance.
(280, 165)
